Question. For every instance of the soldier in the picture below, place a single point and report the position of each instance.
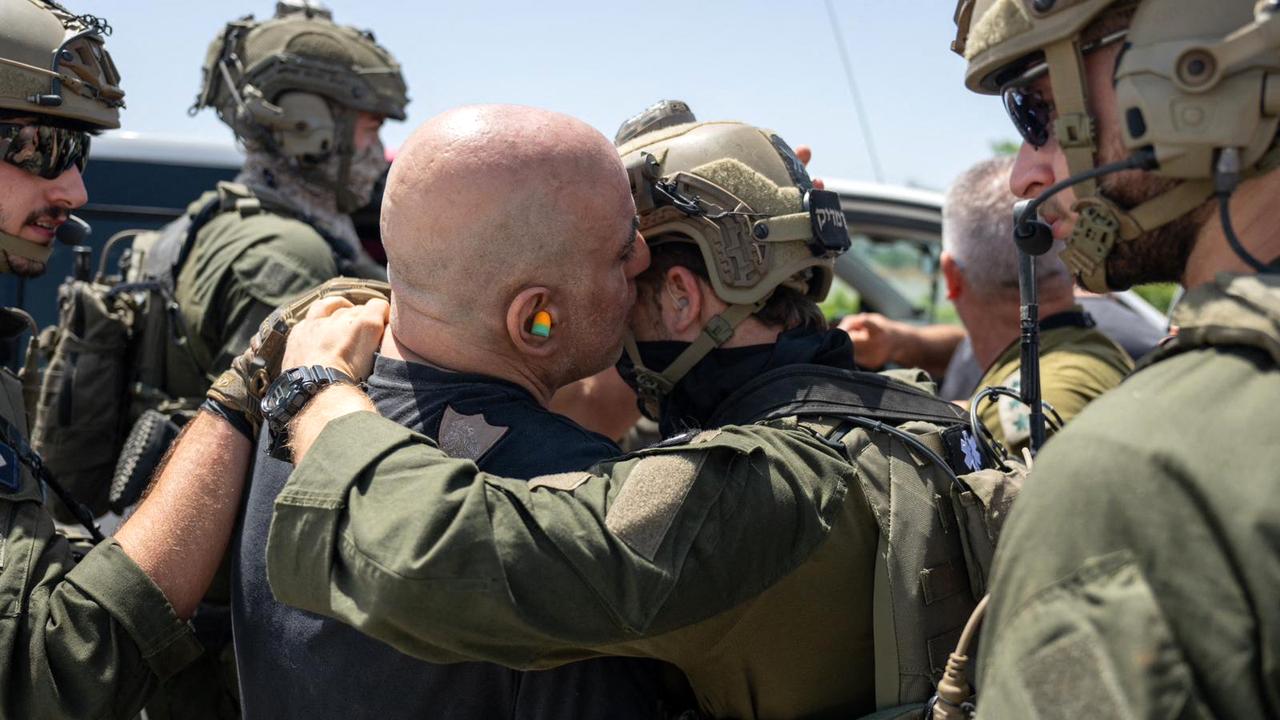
(305, 97)
(91, 638)
(755, 554)
(1138, 575)
(980, 265)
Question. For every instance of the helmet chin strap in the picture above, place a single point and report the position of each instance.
(652, 385)
(1100, 222)
(14, 245)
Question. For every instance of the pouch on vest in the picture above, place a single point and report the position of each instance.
(938, 510)
(105, 365)
(80, 417)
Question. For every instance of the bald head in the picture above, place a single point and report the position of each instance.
(484, 200)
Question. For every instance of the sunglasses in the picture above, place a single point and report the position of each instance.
(43, 150)
(1032, 115)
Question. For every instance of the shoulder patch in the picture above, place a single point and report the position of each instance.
(467, 436)
(565, 482)
(10, 470)
(653, 494)
(1015, 417)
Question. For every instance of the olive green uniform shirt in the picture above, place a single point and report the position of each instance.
(1139, 574)
(242, 265)
(77, 640)
(1077, 364)
(744, 557)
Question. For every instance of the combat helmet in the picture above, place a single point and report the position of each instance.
(739, 194)
(293, 84)
(54, 66)
(1197, 94)
(662, 114)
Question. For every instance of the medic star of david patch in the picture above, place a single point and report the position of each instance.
(467, 436)
(10, 471)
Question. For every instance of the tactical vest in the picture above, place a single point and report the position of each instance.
(123, 372)
(17, 397)
(939, 511)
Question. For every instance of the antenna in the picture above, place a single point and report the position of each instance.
(853, 91)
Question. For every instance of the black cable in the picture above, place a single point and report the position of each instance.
(1226, 177)
(11, 436)
(987, 444)
(1224, 213)
(1140, 160)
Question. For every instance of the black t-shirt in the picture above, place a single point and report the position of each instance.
(297, 664)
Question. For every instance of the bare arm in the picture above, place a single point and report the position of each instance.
(877, 341)
(180, 532)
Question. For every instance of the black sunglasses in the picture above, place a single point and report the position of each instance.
(1032, 115)
(43, 150)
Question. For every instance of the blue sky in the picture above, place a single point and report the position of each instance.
(773, 64)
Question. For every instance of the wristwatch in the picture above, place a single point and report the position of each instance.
(286, 397)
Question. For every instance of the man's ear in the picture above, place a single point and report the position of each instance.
(527, 310)
(953, 276)
(683, 302)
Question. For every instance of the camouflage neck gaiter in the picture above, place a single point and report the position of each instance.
(267, 173)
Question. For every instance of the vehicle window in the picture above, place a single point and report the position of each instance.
(909, 284)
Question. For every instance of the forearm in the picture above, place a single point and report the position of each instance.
(929, 348)
(180, 532)
(383, 531)
(332, 403)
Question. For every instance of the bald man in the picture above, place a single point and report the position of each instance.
(492, 216)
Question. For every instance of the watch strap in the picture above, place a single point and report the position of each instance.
(288, 395)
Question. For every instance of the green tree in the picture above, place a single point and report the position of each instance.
(1005, 147)
(1159, 295)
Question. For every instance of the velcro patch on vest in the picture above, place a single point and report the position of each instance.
(564, 482)
(275, 279)
(467, 436)
(648, 503)
(1070, 678)
(10, 470)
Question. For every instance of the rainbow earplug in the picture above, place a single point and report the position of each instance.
(541, 324)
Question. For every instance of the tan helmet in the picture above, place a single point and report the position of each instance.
(293, 85)
(662, 114)
(741, 195)
(54, 66)
(53, 63)
(1197, 90)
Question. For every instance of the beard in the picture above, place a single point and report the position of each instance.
(1157, 255)
(23, 266)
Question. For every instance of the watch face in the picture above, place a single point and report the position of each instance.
(276, 397)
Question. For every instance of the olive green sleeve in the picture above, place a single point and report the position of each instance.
(1109, 580)
(380, 529)
(1068, 382)
(267, 275)
(87, 640)
(241, 269)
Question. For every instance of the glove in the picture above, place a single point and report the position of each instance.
(237, 393)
